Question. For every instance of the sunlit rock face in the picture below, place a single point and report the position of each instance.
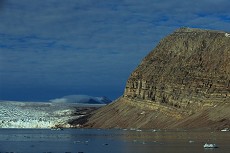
(184, 82)
(189, 68)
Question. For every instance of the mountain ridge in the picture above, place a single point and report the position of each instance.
(183, 83)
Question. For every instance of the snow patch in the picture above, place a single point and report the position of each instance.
(227, 35)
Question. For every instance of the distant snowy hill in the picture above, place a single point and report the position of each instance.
(83, 99)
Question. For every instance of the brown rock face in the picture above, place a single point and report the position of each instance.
(188, 69)
(183, 83)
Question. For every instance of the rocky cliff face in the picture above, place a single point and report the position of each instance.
(183, 83)
(188, 69)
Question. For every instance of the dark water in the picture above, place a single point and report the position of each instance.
(110, 141)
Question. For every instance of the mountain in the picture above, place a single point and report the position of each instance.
(83, 99)
(183, 83)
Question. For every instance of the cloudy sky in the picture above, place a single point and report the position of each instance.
(54, 48)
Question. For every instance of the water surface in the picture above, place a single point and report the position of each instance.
(110, 141)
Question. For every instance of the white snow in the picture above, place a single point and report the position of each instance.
(227, 35)
(225, 129)
(35, 114)
(84, 99)
(210, 145)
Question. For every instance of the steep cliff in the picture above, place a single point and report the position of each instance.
(189, 68)
(183, 83)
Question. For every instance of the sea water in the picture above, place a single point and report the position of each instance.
(110, 141)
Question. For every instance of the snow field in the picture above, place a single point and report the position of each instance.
(35, 114)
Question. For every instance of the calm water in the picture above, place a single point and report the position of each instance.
(110, 141)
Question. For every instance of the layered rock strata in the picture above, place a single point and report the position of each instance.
(188, 69)
(184, 81)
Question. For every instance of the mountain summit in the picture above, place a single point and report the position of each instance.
(183, 83)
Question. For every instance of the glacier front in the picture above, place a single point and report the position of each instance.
(41, 114)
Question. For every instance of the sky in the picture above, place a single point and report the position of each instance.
(55, 48)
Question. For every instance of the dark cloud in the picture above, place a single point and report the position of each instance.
(87, 43)
(2, 2)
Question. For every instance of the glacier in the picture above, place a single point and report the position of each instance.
(14, 114)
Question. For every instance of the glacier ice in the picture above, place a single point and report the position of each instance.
(36, 114)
